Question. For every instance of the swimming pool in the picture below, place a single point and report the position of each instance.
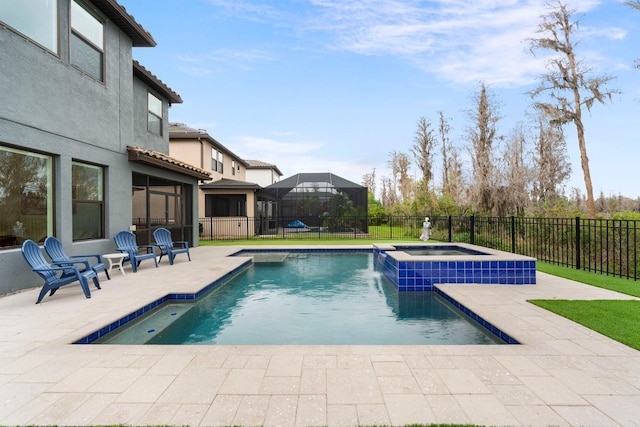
(303, 298)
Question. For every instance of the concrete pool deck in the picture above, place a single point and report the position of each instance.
(562, 374)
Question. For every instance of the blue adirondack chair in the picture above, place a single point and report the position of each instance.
(126, 243)
(56, 252)
(168, 247)
(57, 276)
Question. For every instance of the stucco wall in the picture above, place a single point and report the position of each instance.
(50, 106)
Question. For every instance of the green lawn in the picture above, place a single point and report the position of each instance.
(301, 241)
(617, 319)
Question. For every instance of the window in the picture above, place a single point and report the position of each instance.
(154, 121)
(26, 196)
(214, 160)
(35, 19)
(220, 205)
(233, 167)
(220, 162)
(87, 193)
(87, 41)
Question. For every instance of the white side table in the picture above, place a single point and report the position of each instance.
(115, 260)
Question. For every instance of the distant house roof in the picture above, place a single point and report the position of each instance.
(180, 131)
(257, 164)
(161, 160)
(225, 184)
(127, 23)
(314, 177)
(155, 83)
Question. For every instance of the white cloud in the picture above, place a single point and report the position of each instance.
(298, 157)
(456, 40)
(220, 59)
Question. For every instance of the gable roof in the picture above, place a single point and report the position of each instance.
(155, 83)
(257, 164)
(127, 23)
(180, 131)
(225, 183)
(161, 160)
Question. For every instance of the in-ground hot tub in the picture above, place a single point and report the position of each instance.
(421, 266)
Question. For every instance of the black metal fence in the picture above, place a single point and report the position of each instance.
(598, 245)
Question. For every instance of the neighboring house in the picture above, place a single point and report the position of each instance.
(228, 200)
(262, 173)
(84, 138)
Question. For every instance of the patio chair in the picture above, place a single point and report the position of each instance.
(168, 247)
(126, 242)
(56, 252)
(57, 276)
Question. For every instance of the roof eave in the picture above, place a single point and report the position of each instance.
(119, 15)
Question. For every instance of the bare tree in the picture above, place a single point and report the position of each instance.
(388, 193)
(399, 164)
(516, 174)
(369, 181)
(551, 161)
(482, 136)
(566, 82)
(422, 150)
(455, 176)
(445, 148)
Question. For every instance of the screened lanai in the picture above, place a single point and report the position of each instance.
(314, 199)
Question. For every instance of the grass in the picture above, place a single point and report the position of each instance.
(617, 319)
(316, 242)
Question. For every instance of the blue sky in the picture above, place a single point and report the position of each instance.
(337, 85)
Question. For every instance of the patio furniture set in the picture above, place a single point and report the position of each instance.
(64, 269)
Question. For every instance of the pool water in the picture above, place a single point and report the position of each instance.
(308, 299)
(434, 252)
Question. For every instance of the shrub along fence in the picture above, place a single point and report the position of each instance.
(598, 245)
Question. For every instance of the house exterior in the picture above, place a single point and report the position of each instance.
(228, 200)
(83, 135)
(262, 173)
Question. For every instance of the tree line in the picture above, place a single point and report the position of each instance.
(520, 173)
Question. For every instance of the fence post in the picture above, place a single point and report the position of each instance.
(578, 267)
(390, 227)
(247, 228)
(472, 229)
(450, 226)
(513, 234)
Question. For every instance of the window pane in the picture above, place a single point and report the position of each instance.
(87, 191)
(87, 221)
(86, 57)
(155, 105)
(154, 121)
(25, 196)
(87, 25)
(87, 182)
(36, 19)
(154, 124)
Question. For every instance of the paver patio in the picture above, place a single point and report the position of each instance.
(562, 373)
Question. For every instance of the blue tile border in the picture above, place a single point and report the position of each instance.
(422, 275)
(508, 339)
(94, 336)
